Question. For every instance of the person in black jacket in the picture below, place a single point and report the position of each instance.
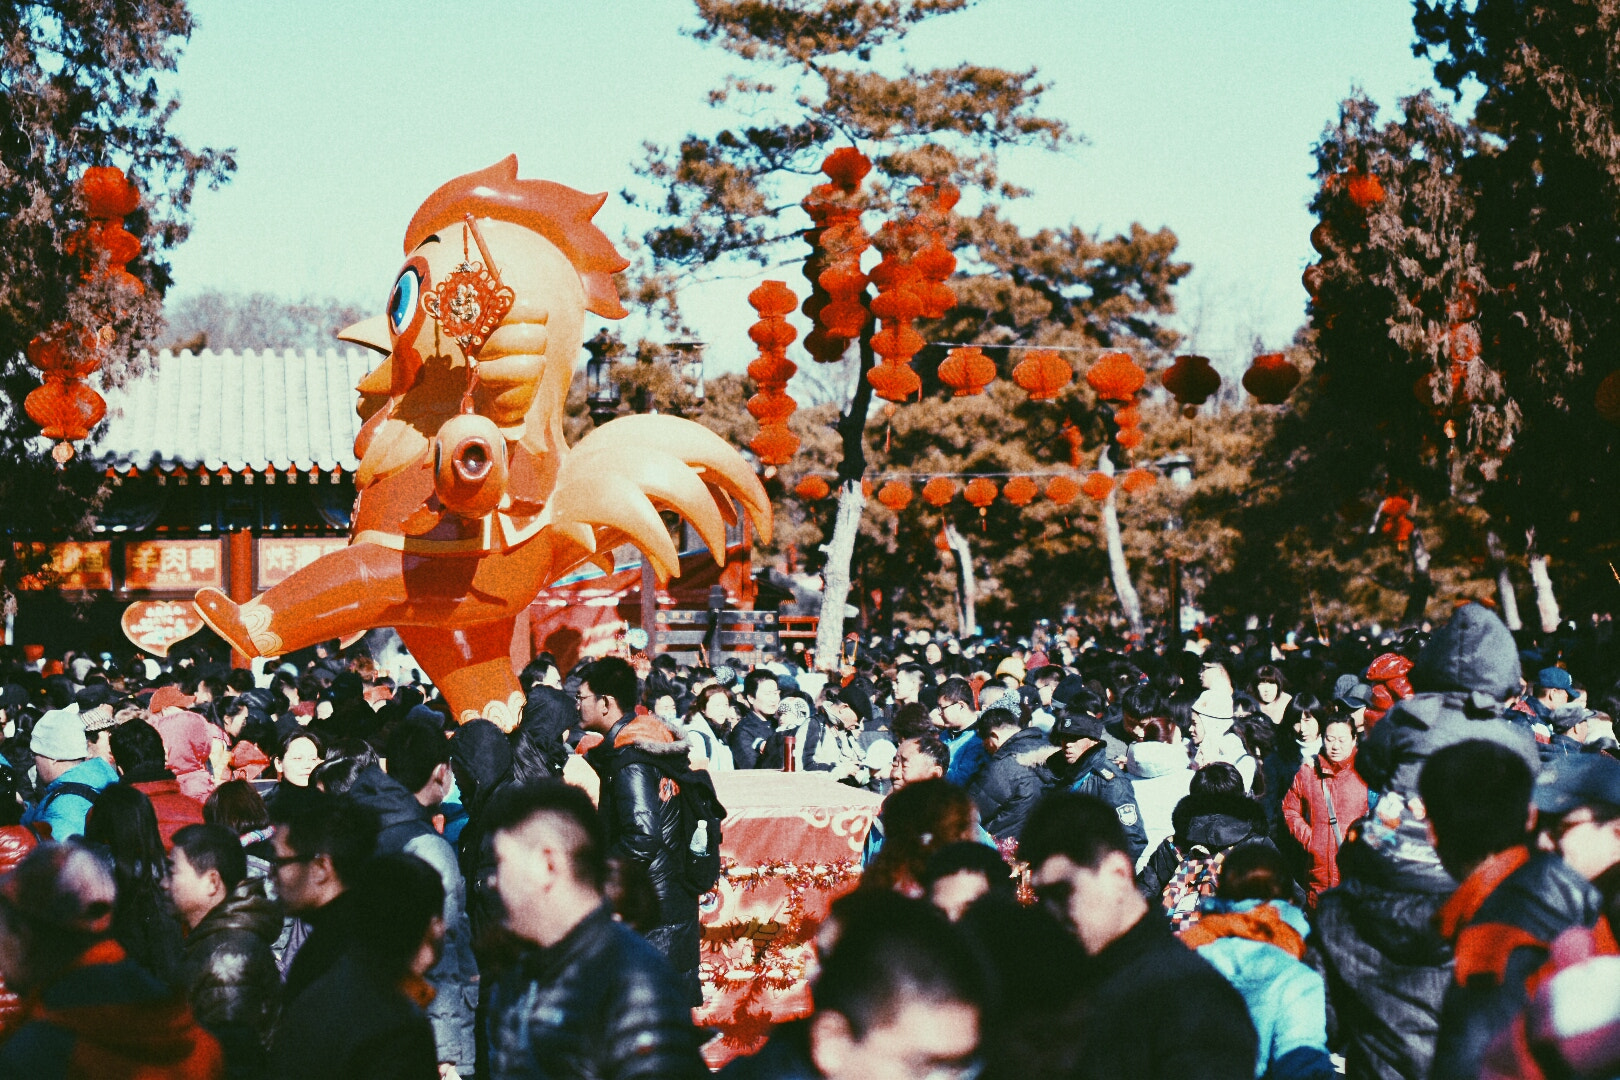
(1083, 766)
(322, 842)
(589, 997)
(640, 809)
(1150, 1007)
(753, 740)
(229, 969)
(1008, 787)
(361, 1020)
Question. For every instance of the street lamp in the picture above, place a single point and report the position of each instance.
(688, 365)
(601, 389)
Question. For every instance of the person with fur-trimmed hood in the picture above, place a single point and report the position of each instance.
(634, 763)
(1386, 961)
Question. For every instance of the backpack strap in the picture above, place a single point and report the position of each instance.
(71, 787)
(1333, 812)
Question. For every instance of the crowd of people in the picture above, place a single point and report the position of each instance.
(1250, 854)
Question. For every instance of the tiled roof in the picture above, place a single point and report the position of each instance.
(237, 412)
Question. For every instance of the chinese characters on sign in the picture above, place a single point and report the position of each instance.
(154, 625)
(180, 565)
(74, 566)
(281, 556)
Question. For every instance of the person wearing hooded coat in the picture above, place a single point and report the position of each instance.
(1161, 775)
(1215, 818)
(481, 757)
(1012, 782)
(1386, 963)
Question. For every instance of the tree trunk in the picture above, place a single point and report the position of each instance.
(1422, 586)
(969, 623)
(1118, 568)
(841, 548)
(1546, 600)
(1506, 598)
(835, 578)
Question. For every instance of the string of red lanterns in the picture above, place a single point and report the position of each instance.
(772, 405)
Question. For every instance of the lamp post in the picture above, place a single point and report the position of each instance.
(601, 388)
(1178, 468)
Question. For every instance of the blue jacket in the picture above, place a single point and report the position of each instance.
(63, 808)
(968, 755)
(1286, 998)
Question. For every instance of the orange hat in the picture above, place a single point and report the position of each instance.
(169, 697)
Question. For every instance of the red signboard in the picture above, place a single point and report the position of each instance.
(173, 565)
(154, 625)
(75, 565)
(281, 556)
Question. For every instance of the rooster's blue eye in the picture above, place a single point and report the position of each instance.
(402, 301)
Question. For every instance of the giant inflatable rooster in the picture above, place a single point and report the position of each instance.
(469, 500)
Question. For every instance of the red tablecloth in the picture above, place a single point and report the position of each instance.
(792, 845)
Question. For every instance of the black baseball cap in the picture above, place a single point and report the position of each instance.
(1578, 780)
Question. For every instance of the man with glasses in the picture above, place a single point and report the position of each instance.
(322, 842)
(957, 718)
(1142, 984)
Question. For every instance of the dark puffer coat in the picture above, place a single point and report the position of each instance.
(599, 1003)
(230, 974)
(1215, 823)
(1387, 964)
(643, 818)
(1008, 787)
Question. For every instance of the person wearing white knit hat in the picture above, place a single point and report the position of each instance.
(72, 778)
(1216, 741)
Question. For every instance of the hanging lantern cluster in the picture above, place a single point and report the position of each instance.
(911, 284)
(967, 371)
(66, 407)
(836, 240)
(1271, 378)
(1043, 374)
(1117, 378)
(771, 405)
(812, 489)
(1191, 381)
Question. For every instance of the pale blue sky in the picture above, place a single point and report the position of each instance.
(1198, 114)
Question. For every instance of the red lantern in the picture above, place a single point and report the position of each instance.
(1322, 238)
(894, 382)
(1191, 380)
(939, 491)
(1608, 397)
(967, 371)
(1020, 491)
(940, 542)
(1061, 490)
(866, 489)
(1097, 486)
(1271, 378)
(66, 351)
(846, 167)
(1364, 190)
(1116, 377)
(1312, 279)
(65, 410)
(1072, 436)
(981, 492)
(1129, 438)
(775, 444)
(1043, 374)
(108, 193)
(1462, 342)
(895, 494)
(812, 489)
(771, 408)
(1128, 417)
(1138, 480)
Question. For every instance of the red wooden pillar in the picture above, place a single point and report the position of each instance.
(240, 560)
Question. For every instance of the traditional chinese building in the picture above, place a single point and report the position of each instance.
(227, 469)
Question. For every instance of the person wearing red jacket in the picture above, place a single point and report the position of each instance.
(1326, 796)
(139, 754)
